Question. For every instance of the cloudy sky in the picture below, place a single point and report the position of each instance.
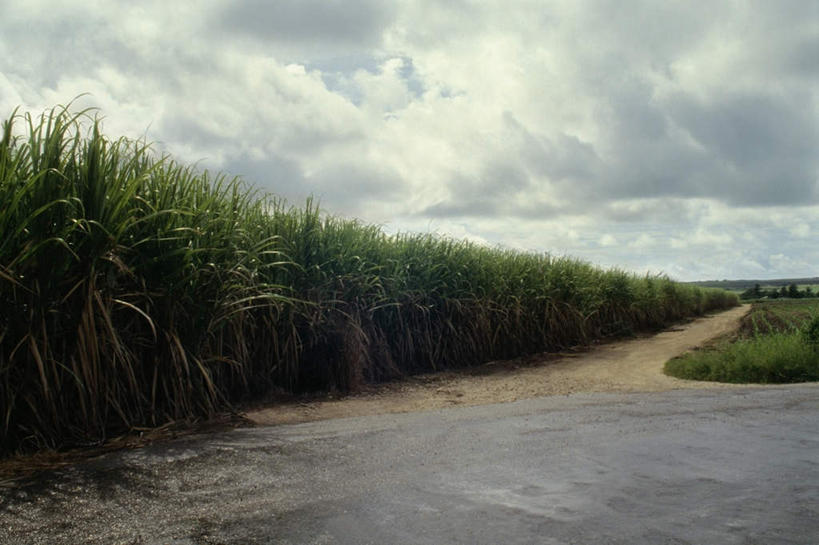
(661, 136)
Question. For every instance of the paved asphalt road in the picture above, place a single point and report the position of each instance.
(695, 466)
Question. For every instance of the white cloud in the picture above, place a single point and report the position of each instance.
(800, 230)
(608, 240)
(652, 136)
(643, 241)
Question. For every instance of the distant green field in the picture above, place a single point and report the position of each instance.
(744, 284)
(814, 287)
(805, 290)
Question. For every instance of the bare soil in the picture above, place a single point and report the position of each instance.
(634, 365)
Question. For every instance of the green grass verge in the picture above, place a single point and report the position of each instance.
(771, 347)
(775, 358)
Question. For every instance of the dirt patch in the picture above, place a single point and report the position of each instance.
(624, 366)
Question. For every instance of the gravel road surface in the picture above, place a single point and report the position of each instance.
(686, 466)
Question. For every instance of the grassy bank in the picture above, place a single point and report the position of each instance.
(773, 345)
(135, 291)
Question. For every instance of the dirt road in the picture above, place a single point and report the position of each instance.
(623, 366)
(734, 466)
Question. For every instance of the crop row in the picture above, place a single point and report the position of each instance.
(135, 291)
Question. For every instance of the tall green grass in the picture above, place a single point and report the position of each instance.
(135, 290)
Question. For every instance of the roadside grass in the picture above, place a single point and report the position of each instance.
(135, 291)
(774, 344)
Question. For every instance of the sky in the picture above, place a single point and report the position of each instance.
(667, 137)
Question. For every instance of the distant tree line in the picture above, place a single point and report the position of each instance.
(791, 291)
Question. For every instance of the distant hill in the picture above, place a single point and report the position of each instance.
(741, 285)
